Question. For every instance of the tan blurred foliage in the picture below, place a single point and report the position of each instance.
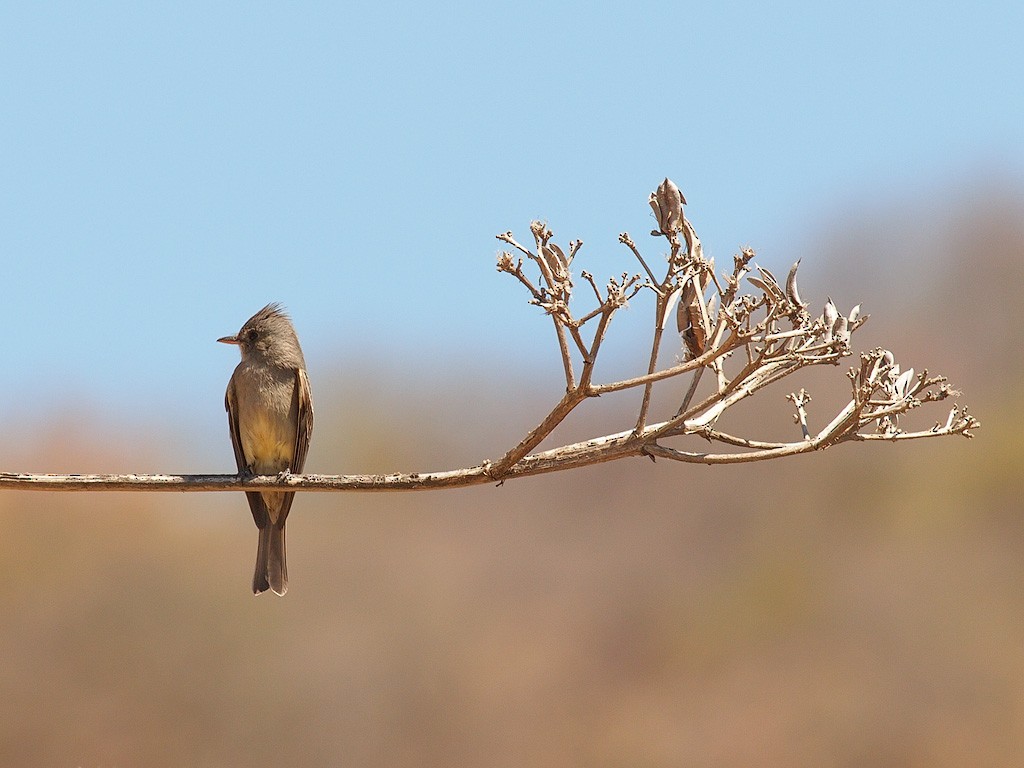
(860, 607)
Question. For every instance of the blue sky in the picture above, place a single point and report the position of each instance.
(167, 169)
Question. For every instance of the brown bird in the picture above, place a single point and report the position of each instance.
(270, 415)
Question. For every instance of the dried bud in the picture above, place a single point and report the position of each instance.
(667, 203)
(505, 263)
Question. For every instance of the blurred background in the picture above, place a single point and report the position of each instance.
(167, 170)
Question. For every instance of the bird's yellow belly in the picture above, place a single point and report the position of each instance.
(267, 443)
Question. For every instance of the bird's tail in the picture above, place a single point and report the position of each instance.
(271, 567)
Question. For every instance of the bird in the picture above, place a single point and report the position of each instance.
(270, 417)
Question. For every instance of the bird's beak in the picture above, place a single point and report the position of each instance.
(229, 340)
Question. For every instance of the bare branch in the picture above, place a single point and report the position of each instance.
(748, 340)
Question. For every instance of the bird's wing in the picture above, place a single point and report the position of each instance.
(259, 509)
(304, 427)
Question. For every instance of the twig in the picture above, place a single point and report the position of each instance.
(626, 240)
(563, 348)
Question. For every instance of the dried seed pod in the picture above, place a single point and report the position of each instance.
(902, 385)
(767, 274)
(694, 343)
(670, 304)
(791, 290)
(768, 284)
(840, 330)
(828, 319)
(683, 310)
(830, 313)
(692, 319)
(556, 262)
(667, 203)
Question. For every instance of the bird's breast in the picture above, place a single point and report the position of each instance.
(267, 422)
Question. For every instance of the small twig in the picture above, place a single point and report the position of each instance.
(666, 373)
(563, 348)
(800, 400)
(690, 392)
(789, 449)
(574, 331)
(506, 237)
(626, 240)
(661, 309)
(590, 279)
(742, 442)
(589, 316)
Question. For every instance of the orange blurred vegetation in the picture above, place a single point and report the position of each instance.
(864, 606)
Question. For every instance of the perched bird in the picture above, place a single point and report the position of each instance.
(270, 415)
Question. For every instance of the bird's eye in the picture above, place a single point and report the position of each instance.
(251, 335)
